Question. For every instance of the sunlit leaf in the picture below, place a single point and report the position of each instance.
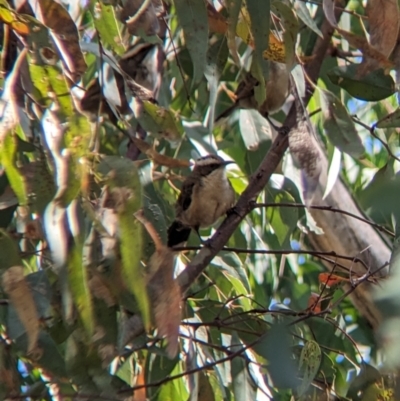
(7, 159)
(107, 26)
(310, 361)
(79, 285)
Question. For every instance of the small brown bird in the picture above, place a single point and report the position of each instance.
(277, 88)
(206, 195)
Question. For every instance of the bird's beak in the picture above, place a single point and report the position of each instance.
(226, 162)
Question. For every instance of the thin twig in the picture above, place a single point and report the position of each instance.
(178, 63)
(372, 132)
(354, 259)
(329, 209)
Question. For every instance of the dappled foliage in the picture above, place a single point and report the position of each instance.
(104, 105)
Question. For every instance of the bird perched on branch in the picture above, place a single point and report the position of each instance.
(206, 195)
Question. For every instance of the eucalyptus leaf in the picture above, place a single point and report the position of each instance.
(372, 87)
(339, 126)
(192, 15)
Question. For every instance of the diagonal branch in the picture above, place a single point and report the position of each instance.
(263, 174)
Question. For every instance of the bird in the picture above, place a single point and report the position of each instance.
(206, 195)
(277, 89)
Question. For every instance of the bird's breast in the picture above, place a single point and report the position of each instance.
(211, 199)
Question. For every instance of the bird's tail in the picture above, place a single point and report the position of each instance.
(177, 234)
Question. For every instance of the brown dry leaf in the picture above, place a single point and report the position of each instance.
(384, 23)
(165, 297)
(140, 394)
(216, 22)
(314, 302)
(17, 289)
(64, 33)
(374, 55)
(101, 291)
(142, 17)
(158, 158)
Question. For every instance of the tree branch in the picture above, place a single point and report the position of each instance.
(263, 174)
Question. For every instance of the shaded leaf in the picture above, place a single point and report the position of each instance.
(122, 177)
(192, 15)
(304, 14)
(159, 120)
(259, 16)
(339, 126)
(283, 220)
(253, 128)
(389, 121)
(17, 289)
(243, 388)
(206, 391)
(275, 347)
(217, 56)
(372, 87)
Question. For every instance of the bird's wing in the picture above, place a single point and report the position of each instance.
(185, 197)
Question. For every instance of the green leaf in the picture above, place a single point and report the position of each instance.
(291, 24)
(123, 179)
(304, 14)
(253, 128)
(8, 149)
(217, 56)
(310, 361)
(282, 219)
(159, 120)
(192, 15)
(373, 87)
(107, 26)
(65, 36)
(339, 126)
(392, 120)
(276, 347)
(174, 390)
(158, 367)
(259, 14)
(79, 286)
(243, 388)
(9, 255)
